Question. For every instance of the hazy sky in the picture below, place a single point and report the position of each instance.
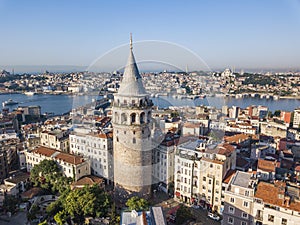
(244, 34)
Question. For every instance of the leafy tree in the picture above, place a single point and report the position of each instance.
(32, 214)
(138, 204)
(115, 219)
(9, 203)
(183, 214)
(79, 203)
(47, 175)
(277, 113)
(174, 114)
(270, 114)
(54, 207)
(43, 223)
(60, 218)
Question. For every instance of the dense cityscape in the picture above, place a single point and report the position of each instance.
(180, 163)
(191, 119)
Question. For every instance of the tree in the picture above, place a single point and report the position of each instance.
(183, 214)
(9, 203)
(60, 218)
(47, 175)
(138, 204)
(277, 113)
(115, 219)
(79, 203)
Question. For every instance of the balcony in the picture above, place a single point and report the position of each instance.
(259, 217)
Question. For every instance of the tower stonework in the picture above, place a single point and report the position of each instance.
(132, 135)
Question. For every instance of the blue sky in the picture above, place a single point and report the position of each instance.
(244, 34)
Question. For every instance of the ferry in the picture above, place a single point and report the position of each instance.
(9, 102)
(29, 93)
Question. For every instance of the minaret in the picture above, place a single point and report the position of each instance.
(132, 134)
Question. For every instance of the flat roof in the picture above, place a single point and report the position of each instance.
(242, 179)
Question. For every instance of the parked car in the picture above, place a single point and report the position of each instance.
(214, 216)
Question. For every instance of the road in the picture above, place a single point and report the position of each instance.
(202, 218)
(200, 214)
(17, 219)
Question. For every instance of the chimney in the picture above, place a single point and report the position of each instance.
(287, 200)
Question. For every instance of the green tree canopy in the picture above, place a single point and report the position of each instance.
(138, 204)
(183, 214)
(47, 175)
(79, 203)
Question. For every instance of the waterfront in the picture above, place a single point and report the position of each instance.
(59, 104)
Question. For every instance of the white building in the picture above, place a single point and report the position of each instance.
(296, 122)
(163, 162)
(97, 147)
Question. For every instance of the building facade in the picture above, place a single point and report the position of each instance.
(97, 147)
(71, 165)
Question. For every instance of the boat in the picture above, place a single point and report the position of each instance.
(9, 102)
(29, 93)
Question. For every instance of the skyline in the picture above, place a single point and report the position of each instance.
(252, 35)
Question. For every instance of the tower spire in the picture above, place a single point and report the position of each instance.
(131, 41)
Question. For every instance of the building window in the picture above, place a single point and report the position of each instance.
(243, 223)
(133, 140)
(230, 220)
(209, 181)
(204, 178)
(244, 215)
(247, 193)
(270, 218)
(232, 200)
(231, 209)
(283, 221)
(246, 204)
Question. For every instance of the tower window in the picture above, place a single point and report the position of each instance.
(142, 118)
(133, 140)
(133, 118)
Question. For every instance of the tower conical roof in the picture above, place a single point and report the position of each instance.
(131, 84)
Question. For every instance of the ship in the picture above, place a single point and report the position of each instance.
(9, 102)
(29, 93)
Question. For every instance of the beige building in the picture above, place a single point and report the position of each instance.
(238, 199)
(56, 139)
(71, 165)
(276, 204)
(200, 170)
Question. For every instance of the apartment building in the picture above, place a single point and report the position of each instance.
(238, 199)
(164, 161)
(296, 121)
(216, 162)
(71, 165)
(97, 147)
(276, 204)
(187, 170)
(56, 139)
(199, 171)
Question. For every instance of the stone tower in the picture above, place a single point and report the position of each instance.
(132, 135)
